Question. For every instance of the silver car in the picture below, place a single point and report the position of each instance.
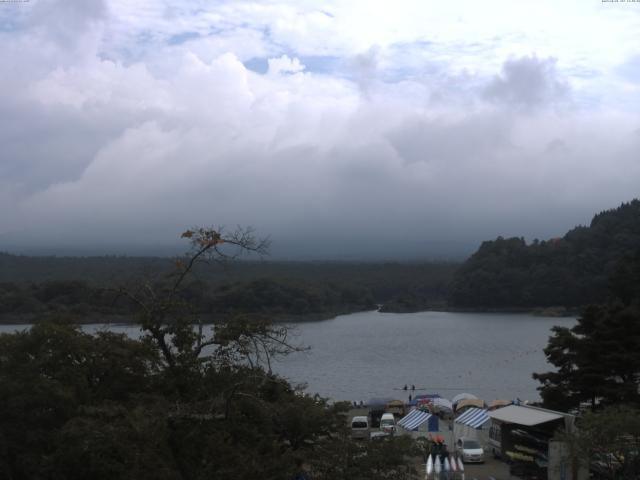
(469, 450)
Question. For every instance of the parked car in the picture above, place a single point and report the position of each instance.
(360, 427)
(388, 423)
(469, 450)
(379, 435)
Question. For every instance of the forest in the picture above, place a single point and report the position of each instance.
(572, 271)
(504, 274)
(87, 286)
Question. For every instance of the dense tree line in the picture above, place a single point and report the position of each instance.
(63, 296)
(275, 297)
(384, 279)
(98, 269)
(84, 286)
(571, 271)
(178, 403)
(278, 298)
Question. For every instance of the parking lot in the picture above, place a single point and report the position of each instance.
(491, 468)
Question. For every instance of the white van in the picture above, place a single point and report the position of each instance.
(360, 427)
(388, 423)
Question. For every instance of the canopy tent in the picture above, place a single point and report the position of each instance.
(469, 402)
(473, 424)
(434, 400)
(474, 418)
(442, 404)
(418, 420)
(427, 395)
(423, 399)
(462, 396)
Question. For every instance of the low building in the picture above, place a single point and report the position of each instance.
(524, 435)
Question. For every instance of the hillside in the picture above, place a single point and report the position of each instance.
(570, 271)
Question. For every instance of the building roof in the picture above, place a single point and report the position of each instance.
(499, 403)
(474, 417)
(523, 415)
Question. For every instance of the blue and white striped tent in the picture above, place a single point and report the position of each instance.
(418, 420)
(474, 418)
(473, 424)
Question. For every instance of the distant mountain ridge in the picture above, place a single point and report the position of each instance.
(571, 271)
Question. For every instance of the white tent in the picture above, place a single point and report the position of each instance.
(442, 404)
(462, 396)
(473, 424)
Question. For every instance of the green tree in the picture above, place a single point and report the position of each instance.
(609, 440)
(598, 360)
(52, 371)
(185, 401)
(571, 271)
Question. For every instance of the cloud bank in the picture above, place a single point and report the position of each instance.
(123, 125)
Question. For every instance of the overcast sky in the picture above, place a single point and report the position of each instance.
(342, 129)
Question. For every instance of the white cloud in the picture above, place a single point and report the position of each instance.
(284, 64)
(466, 130)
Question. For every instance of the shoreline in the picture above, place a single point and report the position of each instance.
(123, 319)
(212, 319)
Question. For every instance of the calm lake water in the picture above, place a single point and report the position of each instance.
(372, 354)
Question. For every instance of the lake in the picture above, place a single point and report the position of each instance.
(373, 354)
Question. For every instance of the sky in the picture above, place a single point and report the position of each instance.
(341, 129)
